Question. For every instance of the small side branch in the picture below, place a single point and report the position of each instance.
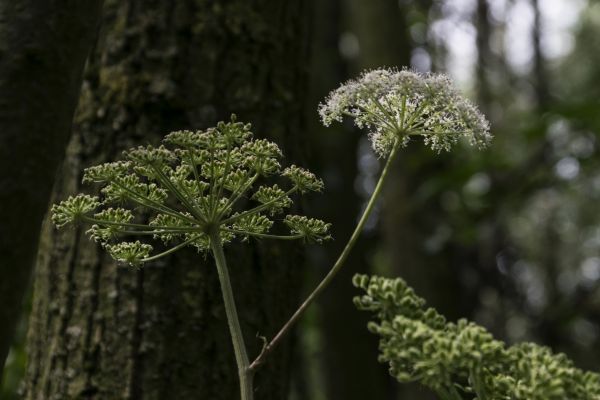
(334, 270)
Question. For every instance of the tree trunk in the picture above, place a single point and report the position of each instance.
(539, 66)
(348, 355)
(103, 331)
(43, 47)
(484, 55)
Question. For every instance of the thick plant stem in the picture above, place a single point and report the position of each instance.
(268, 348)
(241, 356)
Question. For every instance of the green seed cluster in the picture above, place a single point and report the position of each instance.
(462, 360)
(195, 183)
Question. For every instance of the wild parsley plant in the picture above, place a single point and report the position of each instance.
(458, 360)
(193, 187)
(200, 189)
(395, 106)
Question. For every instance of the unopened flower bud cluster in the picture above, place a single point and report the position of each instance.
(195, 182)
(463, 360)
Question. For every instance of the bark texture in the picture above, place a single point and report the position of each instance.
(43, 47)
(107, 332)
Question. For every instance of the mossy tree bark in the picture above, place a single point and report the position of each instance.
(102, 331)
(43, 48)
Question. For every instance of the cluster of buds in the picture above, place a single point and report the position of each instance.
(194, 184)
(462, 359)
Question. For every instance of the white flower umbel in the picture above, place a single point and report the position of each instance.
(394, 106)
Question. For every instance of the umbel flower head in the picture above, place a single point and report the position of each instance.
(196, 184)
(398, 105)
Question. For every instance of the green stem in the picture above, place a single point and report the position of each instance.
(403, 112)
(237, 194)
(192, 162)
(170, 251)
(259, 208)
(334, 270)
(184, 200)
(157, 232)
(453, 393)
(241, 356)
(149, 228)
(264, 235)
(215, 212)
(147, 202)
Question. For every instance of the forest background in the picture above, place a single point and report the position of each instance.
(509, 238)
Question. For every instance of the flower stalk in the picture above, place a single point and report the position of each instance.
(395, 106)
(237, 338)
(337, 266)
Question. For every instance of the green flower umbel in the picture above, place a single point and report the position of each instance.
(201, 189)
(196, 183)
(398, 105)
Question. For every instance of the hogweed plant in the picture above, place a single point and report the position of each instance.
(200, 189)
(395, 106)
(456, 360)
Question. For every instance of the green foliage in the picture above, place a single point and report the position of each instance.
(196, 183)
(462, 360)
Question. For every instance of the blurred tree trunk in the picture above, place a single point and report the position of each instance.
(406, 218)
(484, 55)
(539, 70)
(43, 47)
(381, 28)
(107, 332)
(350, 351)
